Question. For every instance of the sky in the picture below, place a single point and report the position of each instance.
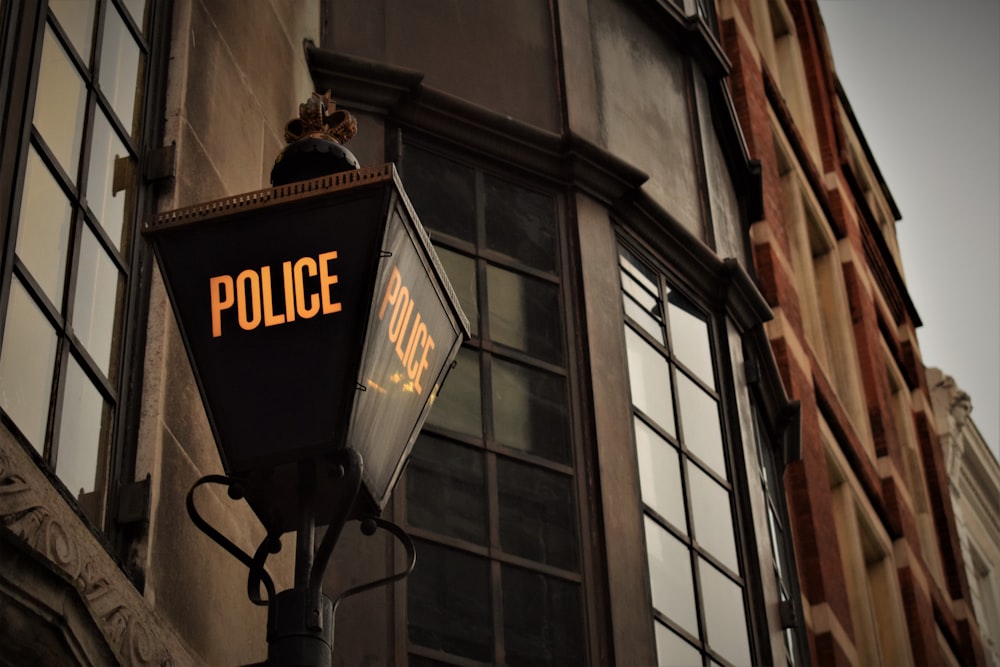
(923, 78)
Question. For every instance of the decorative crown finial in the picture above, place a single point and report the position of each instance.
(316, 142)
(319, 117)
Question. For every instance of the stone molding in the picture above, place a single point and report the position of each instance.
(34, 511)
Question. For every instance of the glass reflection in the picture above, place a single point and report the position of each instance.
(529, 410)
(84, 415)
(713, 518)
(119, 68)
(76, 17)
(443, 193)
(27, 361)
(60, 102)
(459, 405)
(537, 514)
(649, 378)
(670, 579)
(542, 619)
(672, 650)
(524, 314)
(725, 615)
(95, 302)
(642, 307)
(449, 602)
(700, 420)
(461, 272)
(660, 475)
(107, 154)
(520, 223)
(137, 8)
(446, 489)
(43, 228)
(689, 335)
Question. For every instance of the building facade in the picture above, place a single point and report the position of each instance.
(974, 483)
(690, 427)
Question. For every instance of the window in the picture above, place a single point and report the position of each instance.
(491, 486)
(913, 472)
(774, 27)
(779, 537)
(876, 604)
(71, 225)
(693, 554)
(822, 295)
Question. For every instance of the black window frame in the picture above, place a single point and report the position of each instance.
(496, 453)
(24, 27)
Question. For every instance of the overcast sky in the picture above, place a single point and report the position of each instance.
(923, 78)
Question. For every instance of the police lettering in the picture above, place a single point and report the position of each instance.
(410, 337)
(250, 292)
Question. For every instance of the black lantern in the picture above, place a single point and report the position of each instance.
(320, 326)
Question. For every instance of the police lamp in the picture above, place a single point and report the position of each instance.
(320, 327)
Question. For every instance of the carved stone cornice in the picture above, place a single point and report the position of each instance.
(33, 511)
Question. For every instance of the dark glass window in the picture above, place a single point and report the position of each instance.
(491, 487)
(72, 215)
(692, 554)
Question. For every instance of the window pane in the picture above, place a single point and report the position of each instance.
(137, 8)
(119, 68)
(537, 514)
(670, 577)
(672, 650)
(449, 602)
(689, 336)
(77, 19)
(660, 475)
(459, 405)
(643, 307)
(461, 272)
(529, 410)
(725, 615)
(443, 193)
(700, 421)
(521, 223)
(81, 431)
(713, 517)
(43, 229)
(524, 314)
(649, 378)
(108, 154)
(94, 306)
(60, 104)
(26, 365)
(445, 489)
(541, 619)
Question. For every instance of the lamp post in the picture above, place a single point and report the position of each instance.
(320, 325)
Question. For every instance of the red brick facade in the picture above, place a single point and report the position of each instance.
(874, 456)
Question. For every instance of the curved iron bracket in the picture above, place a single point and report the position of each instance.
(369, 524)
(257, 576)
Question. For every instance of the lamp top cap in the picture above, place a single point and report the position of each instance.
(319, 117)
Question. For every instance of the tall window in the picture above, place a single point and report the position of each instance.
(491, 486)
(693, 557)
(71, 225)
